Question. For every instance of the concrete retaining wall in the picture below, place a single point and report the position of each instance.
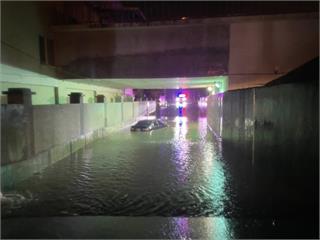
(55, 124)
(214, 113)
(17, 140)
(270, 136)
(136, 109)
(238, 116)
(273, 130)
(93, 116)
(274, 115)
(34, 137)
(114, 114)
(127, 111)
(287, 124)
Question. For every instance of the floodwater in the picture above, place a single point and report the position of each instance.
(177, 171)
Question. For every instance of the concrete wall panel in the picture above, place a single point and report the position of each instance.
(93, 116)
(278, 122)
(287, 121)
(114, 114)
(55, 124)
(16, 133)
(33, 138)
(214, 113)
(238, 115)
(127, 111)
(136, 109)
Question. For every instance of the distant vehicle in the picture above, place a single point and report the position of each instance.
(148, 125)
(181, 101)
(202, 103)
(163, 102)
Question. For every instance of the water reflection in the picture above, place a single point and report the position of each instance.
(180, 228)
(175, 171)
(219, 228)
(199, 228)
(213, 169)
(214, 173)
(205, 147)
(181, 148)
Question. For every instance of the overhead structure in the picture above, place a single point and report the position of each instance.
(217, 83)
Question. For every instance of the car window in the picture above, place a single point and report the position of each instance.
(143, 123)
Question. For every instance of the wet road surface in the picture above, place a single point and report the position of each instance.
(178, 171)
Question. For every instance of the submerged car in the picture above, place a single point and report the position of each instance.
(148, 125)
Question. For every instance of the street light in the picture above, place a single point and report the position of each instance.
(210, 89)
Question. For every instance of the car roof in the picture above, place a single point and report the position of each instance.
(145, 121)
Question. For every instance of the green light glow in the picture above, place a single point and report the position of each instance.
(161, 83)
(43, 85)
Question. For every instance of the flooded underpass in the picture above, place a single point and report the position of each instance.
(174, 182)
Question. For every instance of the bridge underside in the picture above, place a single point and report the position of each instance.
(14, 75)
(193, 62)
(220, 82)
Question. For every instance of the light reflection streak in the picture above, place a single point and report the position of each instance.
(219, 228)
(215, 227)
(206, 148)
(214, 173)
(180, 227)
(181, 148)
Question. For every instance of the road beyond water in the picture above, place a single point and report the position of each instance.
(168, 183)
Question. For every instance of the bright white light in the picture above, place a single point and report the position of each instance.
(163, 103)
(181, 101)
(210, 89)
(202, 103)
(184, 104)
(178, 120)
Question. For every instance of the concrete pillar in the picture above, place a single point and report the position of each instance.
(17, 126)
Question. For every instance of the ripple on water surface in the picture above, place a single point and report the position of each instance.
(175, 171)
